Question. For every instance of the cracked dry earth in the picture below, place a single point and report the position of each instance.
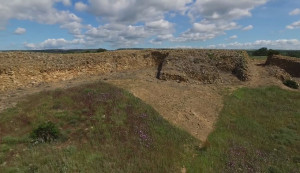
(192, 107)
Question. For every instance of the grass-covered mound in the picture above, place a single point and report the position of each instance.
(100, 128)
(91, 128)
(257, 131)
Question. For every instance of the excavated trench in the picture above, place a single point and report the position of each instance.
(160, 59)
(174, 82)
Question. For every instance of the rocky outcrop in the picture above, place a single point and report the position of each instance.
(289, 64)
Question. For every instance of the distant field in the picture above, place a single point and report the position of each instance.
(259, 57)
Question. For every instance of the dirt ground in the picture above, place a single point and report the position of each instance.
(192, 107)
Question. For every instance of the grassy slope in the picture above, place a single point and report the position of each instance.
(258, 131)
(103, 129)
(106, 129)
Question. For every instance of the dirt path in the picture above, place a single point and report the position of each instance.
(260, 76)
(191, 107)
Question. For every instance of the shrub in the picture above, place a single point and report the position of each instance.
(45, 132)
(291, 84)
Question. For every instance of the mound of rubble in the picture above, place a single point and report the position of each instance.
(25, 69)
(206, 66)
(289, 64)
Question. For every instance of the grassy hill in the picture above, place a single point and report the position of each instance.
(100, 128)
(91, 128)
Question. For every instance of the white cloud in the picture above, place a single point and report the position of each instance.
(73, 28)
(216, 17)
(118, 35)
(206, 30)
(295, 12)
(272, 44)
(132, 11)
(294, 25)
(160, 38)
(66, 2)
(121, 35)
(41, 11)
(159, 25)
(80, 6)
(20, 31)
(54, 44)
(247, 28)
(233, 37)
(223, 10)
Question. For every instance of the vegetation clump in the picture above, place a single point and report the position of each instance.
(45, 133)
(291, 84)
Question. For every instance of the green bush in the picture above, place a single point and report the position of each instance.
(291, 84)
(45, 132)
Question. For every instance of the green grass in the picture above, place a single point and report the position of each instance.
(259, 57)
(105, 129)
(101, 129)
(257, 131)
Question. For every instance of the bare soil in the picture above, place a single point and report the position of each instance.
(191, 106)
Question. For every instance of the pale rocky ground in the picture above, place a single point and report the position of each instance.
(192, 106)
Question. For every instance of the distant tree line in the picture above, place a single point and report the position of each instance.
(265, 52)
(269, 52)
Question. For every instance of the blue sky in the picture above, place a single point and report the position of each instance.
(112, 24)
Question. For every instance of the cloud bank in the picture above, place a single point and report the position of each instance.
(127, 23)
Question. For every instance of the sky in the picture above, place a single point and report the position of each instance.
(113, 24)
